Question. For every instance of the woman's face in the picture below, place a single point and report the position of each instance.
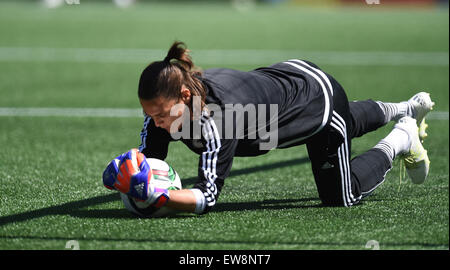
(159, 109)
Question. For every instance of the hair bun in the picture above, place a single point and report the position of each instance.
(179, 52)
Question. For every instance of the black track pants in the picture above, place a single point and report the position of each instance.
(340, 180)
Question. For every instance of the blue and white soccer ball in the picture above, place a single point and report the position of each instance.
(163, 176)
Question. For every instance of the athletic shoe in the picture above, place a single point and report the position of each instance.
(421, 104)
(416, 159)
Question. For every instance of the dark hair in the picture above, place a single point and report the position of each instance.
(165, 78)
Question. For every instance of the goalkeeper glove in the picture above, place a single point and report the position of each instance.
(133, 177)
(110, 173)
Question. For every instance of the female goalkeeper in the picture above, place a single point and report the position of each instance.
(222, 113)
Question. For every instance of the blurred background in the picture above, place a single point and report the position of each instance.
(80, 53)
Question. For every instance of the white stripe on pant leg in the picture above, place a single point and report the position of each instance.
(347, 160)
(345, 174)
(336, 127)
(344, 159)
(345, 192)
(348, 155)
(347, 166)
(348, 180)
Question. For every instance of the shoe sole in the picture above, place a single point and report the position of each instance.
(418, 165)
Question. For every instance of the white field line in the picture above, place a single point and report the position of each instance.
(117, 113)
(71, 112)
(223, 57)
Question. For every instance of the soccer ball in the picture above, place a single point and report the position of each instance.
(163, 176)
